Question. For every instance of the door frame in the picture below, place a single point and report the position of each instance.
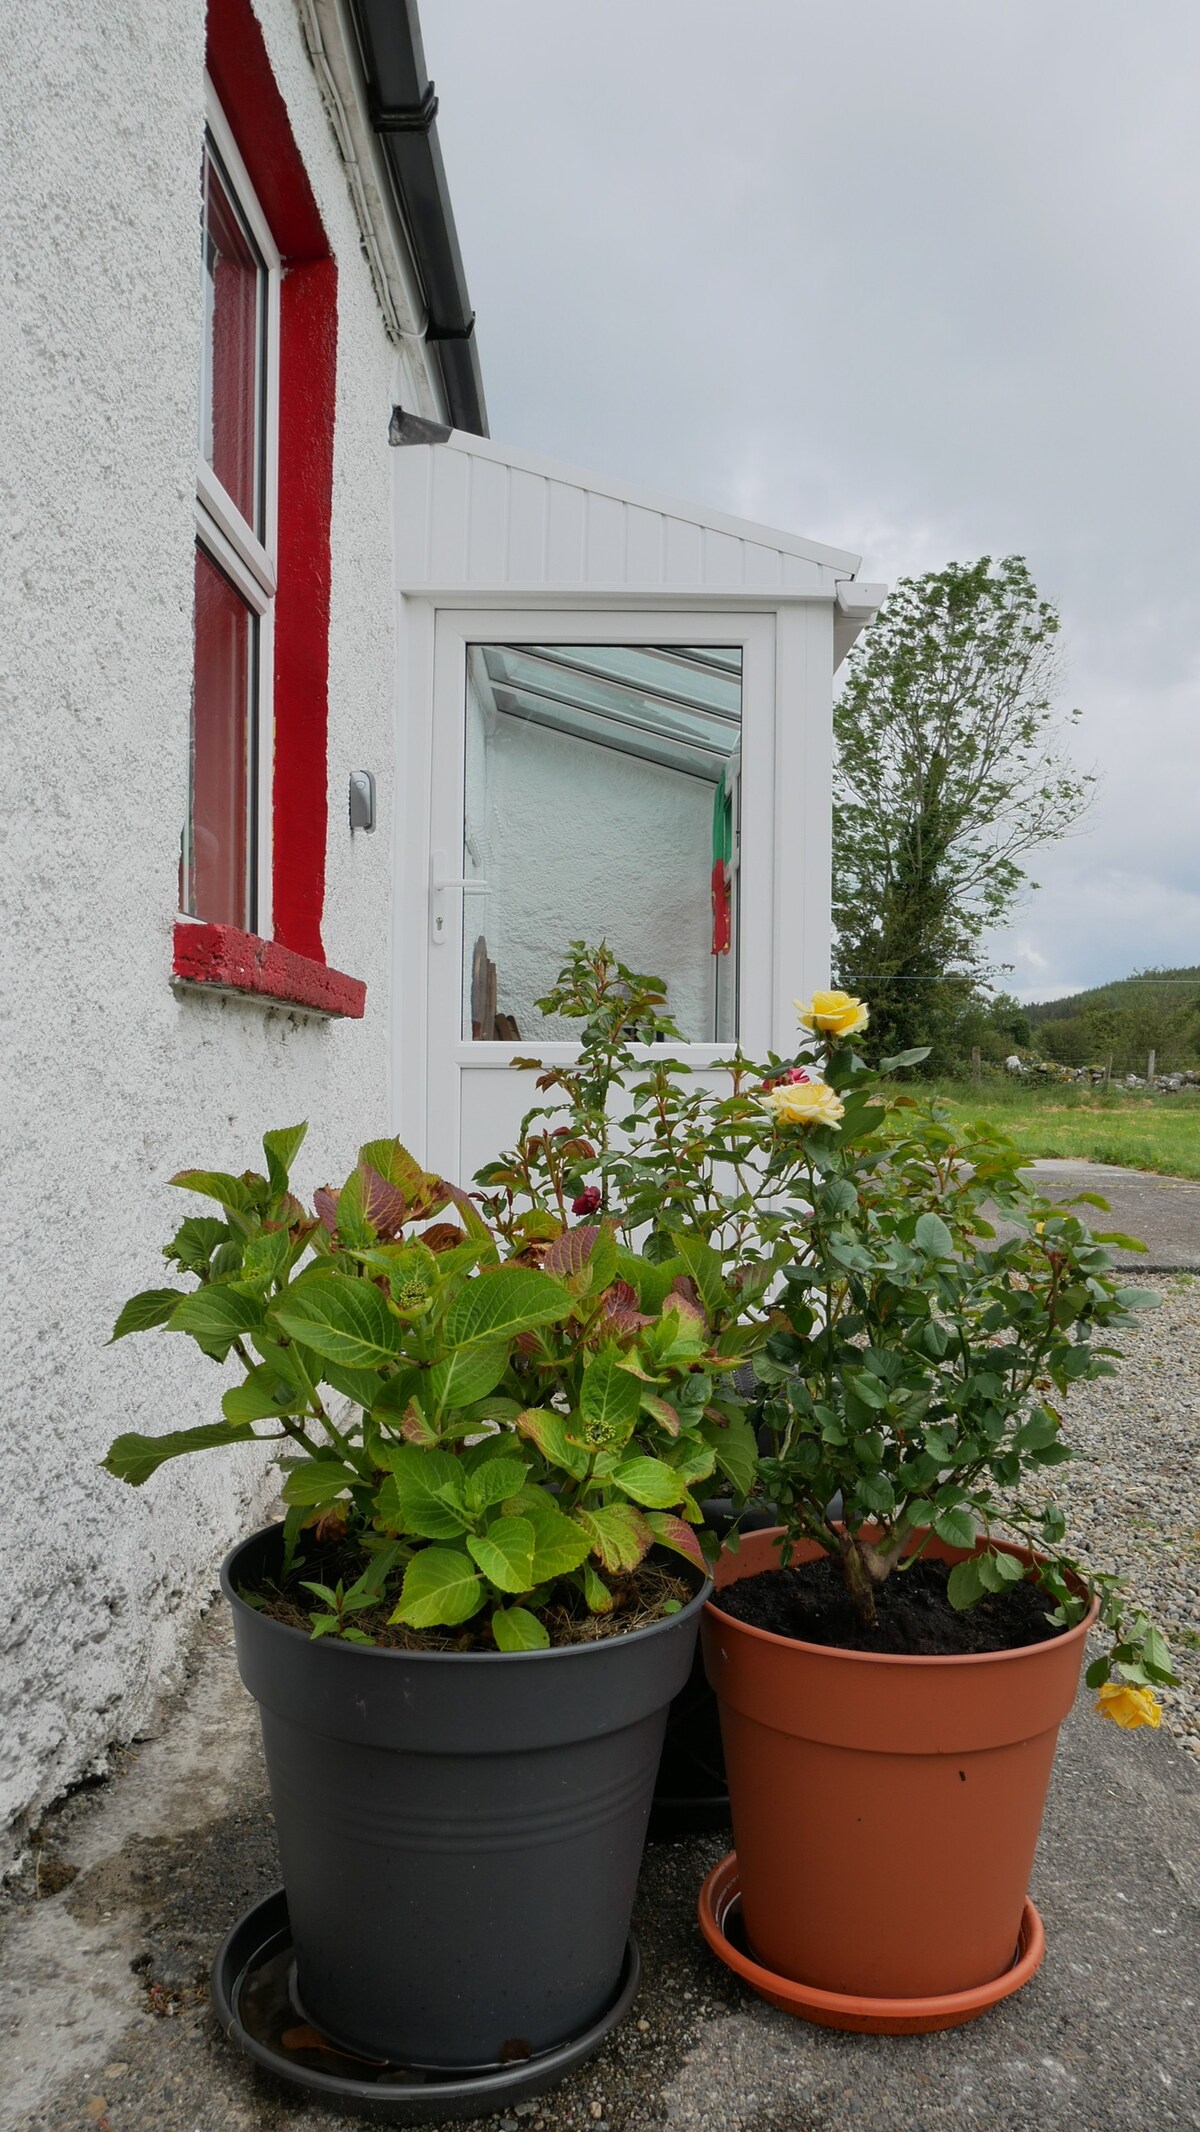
(784, 942)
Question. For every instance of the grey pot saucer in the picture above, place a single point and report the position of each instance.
(252, 1995)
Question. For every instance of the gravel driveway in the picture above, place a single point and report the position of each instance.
(1133, 1498)
(1163, 1211)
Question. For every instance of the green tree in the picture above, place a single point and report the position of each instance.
(950, 768)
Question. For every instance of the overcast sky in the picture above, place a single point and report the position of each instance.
(920, 278)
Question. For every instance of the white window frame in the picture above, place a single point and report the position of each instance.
(249, 562)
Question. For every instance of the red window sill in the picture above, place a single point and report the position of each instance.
(227, 960)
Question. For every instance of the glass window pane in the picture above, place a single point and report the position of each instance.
(232, 368)
(602, 802)
(218, 850)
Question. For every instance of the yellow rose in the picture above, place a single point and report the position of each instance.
(1128, 1706)
(804, 1103)
(833, 1013)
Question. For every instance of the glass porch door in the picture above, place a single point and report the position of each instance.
(597, 777)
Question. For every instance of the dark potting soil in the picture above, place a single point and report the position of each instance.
(657, 1586)
(915, 1618)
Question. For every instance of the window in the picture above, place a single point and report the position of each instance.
(225, 871)
(252, 869)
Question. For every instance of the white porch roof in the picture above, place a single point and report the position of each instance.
(474, 516)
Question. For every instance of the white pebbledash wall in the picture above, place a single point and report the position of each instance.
(584, 843)
(112, 1079)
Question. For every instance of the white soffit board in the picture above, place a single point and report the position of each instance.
(472, 516)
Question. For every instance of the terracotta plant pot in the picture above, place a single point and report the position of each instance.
(885, 1809)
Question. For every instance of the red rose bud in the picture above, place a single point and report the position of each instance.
(588, 1200)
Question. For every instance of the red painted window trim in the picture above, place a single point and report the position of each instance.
(307, 377)
(246, 88)
(242, 962)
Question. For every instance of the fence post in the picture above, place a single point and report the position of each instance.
(1108, 1069)
(1151, 1062)
(975, 1073)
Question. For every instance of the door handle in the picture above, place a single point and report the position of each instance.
(439, 883)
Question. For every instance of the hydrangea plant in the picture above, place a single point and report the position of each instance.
(488, 1422)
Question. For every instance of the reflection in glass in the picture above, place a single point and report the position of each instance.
(232, 362)
(602, 802)
(218, 843)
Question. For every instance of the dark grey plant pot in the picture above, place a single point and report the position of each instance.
(691, 1795)
(460, 1832)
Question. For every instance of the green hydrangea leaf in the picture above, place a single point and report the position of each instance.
(281, 1148)
(218, 1315)
(505, 1554)
(503, 1302)
(152, 1307)
(547, 1428)
(649, 1482)
(494, 1481)
(468, 1374)
(425, 1494)
(619, 1534)
(516, 1629)
(341, 1318)
(609, 1400)
(134, 1458)
(441, 1588)
(316, 1481)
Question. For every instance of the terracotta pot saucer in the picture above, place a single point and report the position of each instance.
(720, 1922)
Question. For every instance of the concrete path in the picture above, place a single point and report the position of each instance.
(104, 2019)
(1163, 1212)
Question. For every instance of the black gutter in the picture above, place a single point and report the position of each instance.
(403, 112)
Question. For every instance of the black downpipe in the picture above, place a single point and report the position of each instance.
(403, 111)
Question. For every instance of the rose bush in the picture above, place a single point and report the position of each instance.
(911, 1356)
(920, 1359)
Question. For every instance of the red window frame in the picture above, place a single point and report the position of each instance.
(290, 967)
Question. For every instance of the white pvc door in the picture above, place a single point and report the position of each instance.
(603, 695)
(602, 773)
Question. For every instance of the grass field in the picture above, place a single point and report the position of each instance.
(1137, 1131)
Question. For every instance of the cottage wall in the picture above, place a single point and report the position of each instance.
(113, 1078)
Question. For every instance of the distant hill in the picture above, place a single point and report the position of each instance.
(1163, 989)
(1154, 1010)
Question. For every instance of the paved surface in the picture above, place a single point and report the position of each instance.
(104, 1952)
(104, 2019)
(1163, 1212)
